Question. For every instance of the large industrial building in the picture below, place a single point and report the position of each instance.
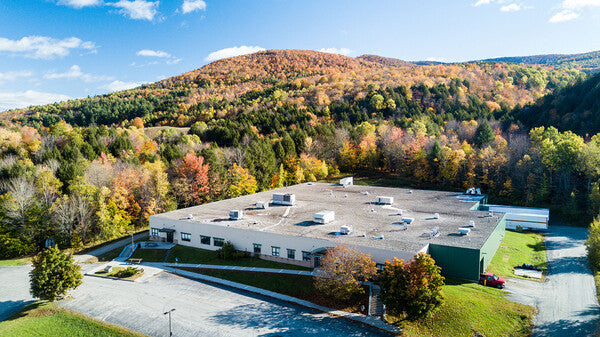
(297, 224)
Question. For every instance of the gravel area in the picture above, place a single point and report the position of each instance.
(566, 302)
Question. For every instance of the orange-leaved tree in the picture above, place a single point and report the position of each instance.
(412, 289)
(341, 271)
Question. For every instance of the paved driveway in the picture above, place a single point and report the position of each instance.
(567, 301)
(14, 289)
(201, 310)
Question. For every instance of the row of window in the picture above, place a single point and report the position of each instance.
(291, 253)
(218, 242)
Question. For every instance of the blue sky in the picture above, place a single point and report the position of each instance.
(58, 49)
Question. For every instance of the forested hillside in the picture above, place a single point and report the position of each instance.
(588, 62)
(94, 168)
(575, 108)
(311, 81)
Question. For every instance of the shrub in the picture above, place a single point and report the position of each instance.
(128, 272)
(593, 245)
(228, 252)
(13, 247)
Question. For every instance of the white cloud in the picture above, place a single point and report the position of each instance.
(482, 2)
(511, 8)
(23, 99)
(137, 9)
(341, 51)
(75, 73)
(80, 3)
(571, 9)
(578, 4)
(153, 53)
(13, 75)
(43, 47)
(193, 5)
(233, 51)
(563, 16)
(120, 85)
(435, 59)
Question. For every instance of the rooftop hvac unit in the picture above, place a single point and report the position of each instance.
(491, 214)
(478, 191)
(190, 216)
(471, 223)
(410, 192)
(384, 200)
(235, 215)
(464, 230)
(324, 217)
(261, 205)
(345, 230)
(400, 212)
(348, 181)
(285, 199)
(436, 215)
(408, 220)
(471, 190)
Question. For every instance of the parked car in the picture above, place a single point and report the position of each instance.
(491, 280)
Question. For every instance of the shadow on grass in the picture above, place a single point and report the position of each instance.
(538, 246)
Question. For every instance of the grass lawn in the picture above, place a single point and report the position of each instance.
(39, 320)
(15, 262)
(186, 254)
(109, 256)
(299, 286)
(150, 255)
(518, 248)
(471, 306)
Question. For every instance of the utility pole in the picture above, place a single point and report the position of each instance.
(169, 313)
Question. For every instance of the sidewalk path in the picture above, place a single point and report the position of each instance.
(105, 249)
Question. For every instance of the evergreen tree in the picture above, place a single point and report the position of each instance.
(484, 134)
(54, 273)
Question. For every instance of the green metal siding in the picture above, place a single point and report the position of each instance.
(456, 261)
(467, 263)
(491, 245)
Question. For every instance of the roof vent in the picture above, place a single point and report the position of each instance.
(400, 212)
(408, 220)
(285, 199)
(464, 230)
(410, 191)
(348, 181)
(491, 214)
(472, 223)
(262, 205)
(345, 230)
(190, 216)
(380, 237)
(436, 215)
(324, 217)
(384, 200)
(235, 214)
(434, 232)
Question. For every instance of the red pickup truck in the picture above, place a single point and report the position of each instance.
(491, 280)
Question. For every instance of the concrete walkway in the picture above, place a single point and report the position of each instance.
(367, 320)
(14, 289)
(93, 255)
(240, 268)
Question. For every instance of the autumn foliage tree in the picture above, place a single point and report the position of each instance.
(341, 271)
(191, 185)
(412, 289)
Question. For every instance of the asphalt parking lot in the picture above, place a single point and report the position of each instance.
(566, 302)
(201, 310)
(14, 289)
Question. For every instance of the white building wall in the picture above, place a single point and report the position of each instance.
(243, 240)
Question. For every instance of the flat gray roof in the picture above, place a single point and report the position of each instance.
(355, 206)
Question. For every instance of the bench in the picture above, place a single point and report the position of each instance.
(136, 261)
